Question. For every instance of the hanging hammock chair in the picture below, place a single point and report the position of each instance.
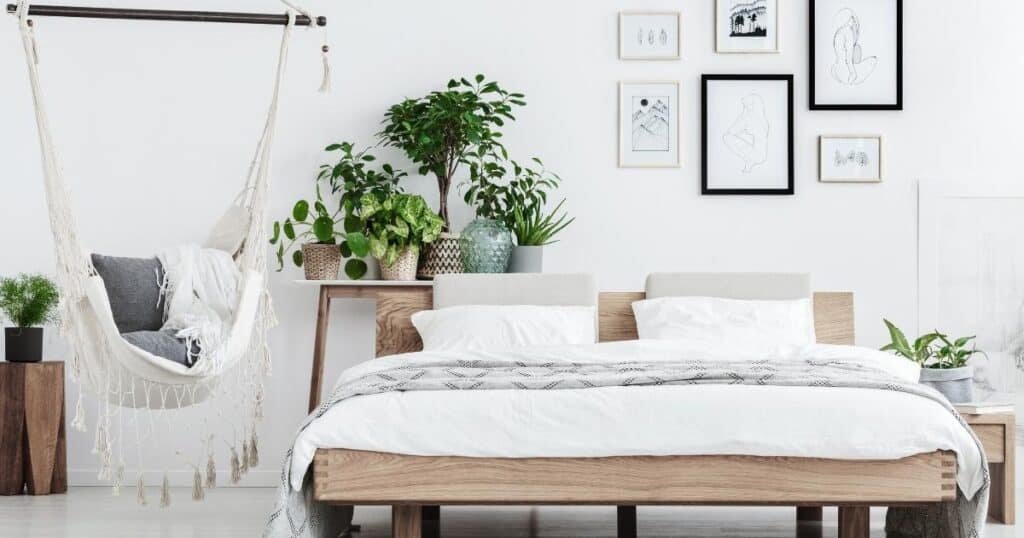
(122, 375)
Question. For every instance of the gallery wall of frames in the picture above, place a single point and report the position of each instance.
(855, 58)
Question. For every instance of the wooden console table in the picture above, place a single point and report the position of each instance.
(33, 454)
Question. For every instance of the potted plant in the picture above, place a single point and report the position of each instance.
(330, 227)
(397, 227)
(943, 361)
(442, 131)
(519, 204)
(29, 301)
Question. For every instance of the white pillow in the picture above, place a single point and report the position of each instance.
(727, 322)
(497, 327)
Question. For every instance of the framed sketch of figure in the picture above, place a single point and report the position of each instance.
(747, 134)
(649, 125)
(750, 26)
(856, 54)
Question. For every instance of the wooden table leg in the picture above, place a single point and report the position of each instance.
(431, 521)
(1001, 503)
(626, 521)
(854, 521)
(44, 419)
(809, 513)
(323, 317)
(808, 521)
(12, 429)
(406, 521)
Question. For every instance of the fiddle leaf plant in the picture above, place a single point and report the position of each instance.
(398, 223)
(333, 218)
(445, 129)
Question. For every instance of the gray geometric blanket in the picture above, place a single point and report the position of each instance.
(297, 515)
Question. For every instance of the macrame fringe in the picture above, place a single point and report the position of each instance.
(165, 492)
(254, 453)
(236, 467)
(197, 486)
(211, 473)
(141, 487)
(115, 487)
(325, 84)
(78, 424)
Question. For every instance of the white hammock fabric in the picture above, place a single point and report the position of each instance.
(124, 377)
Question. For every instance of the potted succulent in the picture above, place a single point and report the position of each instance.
(330, 228)
(29, 301)
(442, 131)
(397, 227)
(943, 361)
(519, 204)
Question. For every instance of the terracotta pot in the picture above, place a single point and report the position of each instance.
(321, 262)
(403, 269)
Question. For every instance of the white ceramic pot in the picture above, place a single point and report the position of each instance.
(526, 260)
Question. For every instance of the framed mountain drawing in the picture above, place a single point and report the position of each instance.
(747, 26)
(747, 134)
(649, 125)
(856, 54)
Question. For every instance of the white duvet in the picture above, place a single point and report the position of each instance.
(842, 423)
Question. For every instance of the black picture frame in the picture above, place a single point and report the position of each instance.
(706, 189)
(812, 94)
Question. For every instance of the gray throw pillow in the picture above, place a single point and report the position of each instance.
(162, 344)
(133, 287)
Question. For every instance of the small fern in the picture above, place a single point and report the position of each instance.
(28, 300)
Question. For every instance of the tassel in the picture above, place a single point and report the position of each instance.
(78, 424)
(325, 84)
(118, 480)
(165, 492)
(141, 487)
(211, 473)
(236, 467)
(197, 486)
(245, 457)
(254, 453)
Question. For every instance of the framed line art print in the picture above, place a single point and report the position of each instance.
(650, 35)
(649, 125)
(850, 159)
(750, 26)
(856, 54)
(747, 134)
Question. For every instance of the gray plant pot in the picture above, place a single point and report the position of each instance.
(526, 260)
(956, 384)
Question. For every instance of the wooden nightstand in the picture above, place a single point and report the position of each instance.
(996, 432)
(32, 449)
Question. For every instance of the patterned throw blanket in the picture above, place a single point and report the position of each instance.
(297, 515)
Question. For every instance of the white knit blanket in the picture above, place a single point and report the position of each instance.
(200, 294)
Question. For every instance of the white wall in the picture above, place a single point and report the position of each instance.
(155, 122)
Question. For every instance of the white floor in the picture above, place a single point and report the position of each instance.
(240, 512)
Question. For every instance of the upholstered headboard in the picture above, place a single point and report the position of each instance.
(833, 311)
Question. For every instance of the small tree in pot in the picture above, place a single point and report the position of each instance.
(943, 361)
(28, 301)
(444, 130)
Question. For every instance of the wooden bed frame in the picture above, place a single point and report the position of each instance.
(410, 483)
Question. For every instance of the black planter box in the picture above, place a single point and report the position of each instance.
(23, 344)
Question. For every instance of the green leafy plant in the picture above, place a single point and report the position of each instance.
(28, 300)
(334, 217)
(519, 203)
(397, 223)
(445, 129)
(931, 350)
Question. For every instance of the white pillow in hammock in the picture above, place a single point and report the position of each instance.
(230, 231)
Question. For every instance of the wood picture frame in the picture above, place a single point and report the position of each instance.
(876, 159)
(850, 75)
(630, 156)
(677, 16)
(787, 184)
(720, 37)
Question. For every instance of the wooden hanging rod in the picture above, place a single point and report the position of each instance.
(164, 15)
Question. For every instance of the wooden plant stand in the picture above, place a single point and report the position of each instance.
(33, 454)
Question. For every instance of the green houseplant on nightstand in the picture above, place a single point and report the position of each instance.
(29, 301)
(943, 361)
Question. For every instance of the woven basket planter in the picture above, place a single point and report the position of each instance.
(321, 262)
(441, 257)
(403, 269)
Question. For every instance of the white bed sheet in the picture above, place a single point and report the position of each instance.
(842, 423)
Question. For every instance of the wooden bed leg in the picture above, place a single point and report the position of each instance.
(854, 521)
(627, 521)
(431, 521)
(808, 513)
(406, 521)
